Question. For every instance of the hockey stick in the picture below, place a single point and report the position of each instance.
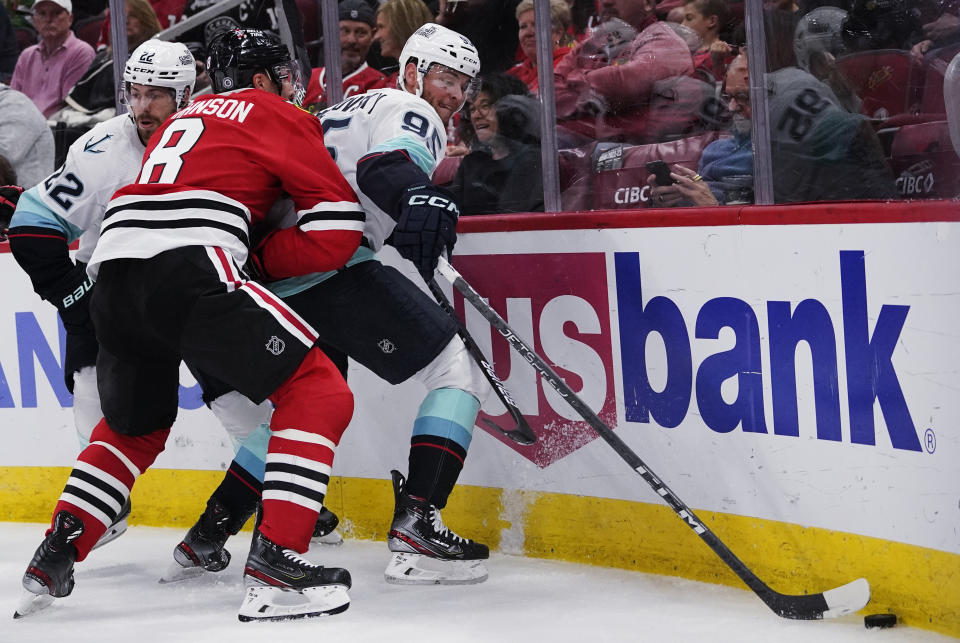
(841, 600)
(522, 433)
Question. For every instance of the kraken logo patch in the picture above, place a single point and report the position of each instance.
(275, 345)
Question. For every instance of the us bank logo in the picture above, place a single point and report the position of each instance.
(559, 303)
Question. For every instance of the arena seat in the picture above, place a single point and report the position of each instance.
(889, 81)
(620, 173)
(924, 162)
(88, 30)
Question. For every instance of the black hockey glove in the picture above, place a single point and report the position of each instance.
(427, 226)
(9, 195)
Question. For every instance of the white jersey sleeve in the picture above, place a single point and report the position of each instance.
(382, 120)
(73, 199)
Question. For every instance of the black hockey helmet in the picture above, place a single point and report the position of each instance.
(235, 55)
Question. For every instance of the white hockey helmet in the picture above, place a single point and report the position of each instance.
(434, 44)
(820, 31)
(162, 64)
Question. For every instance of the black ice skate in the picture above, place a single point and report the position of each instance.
(117, 528)
(426, 552)
(202, 549)
(324, 532)
(282, 585)
(50, 573)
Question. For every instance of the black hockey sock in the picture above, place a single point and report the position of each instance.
(435, 465)
(238, 493)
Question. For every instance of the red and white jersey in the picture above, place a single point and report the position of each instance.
(213, 170)
(359, 81)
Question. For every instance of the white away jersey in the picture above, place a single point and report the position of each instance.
(74, 197)
(382, 120)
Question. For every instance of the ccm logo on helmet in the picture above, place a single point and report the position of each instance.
(147, 57)
(434, 201)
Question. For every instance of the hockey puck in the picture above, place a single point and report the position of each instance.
(871, 621)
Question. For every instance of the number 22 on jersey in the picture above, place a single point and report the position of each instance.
(166, 160)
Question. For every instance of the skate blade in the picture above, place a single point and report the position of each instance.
(333, 538)
(176, 573)
(267, 603)
(30, 603)
(417, 569)
(114, 532)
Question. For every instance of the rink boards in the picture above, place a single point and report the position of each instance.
(791, 373)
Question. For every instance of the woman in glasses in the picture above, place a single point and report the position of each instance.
(502, 171)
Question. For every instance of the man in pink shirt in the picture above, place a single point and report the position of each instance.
(48, 70)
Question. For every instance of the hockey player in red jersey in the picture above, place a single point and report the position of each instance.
(170, 288)
(387, 143)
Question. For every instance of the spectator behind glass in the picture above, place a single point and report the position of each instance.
(616, 70)
(820, 151)
(25, 138)
(725, 171)
(46, 71)
(9, 51)
(708, 18)
(93, 98)
(562, 41)
(396, 21)
(502, 173)
(356, 35)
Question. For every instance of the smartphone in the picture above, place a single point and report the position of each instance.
(661, 170)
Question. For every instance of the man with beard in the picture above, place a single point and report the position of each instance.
(721, 160)
(820, 151)
(356, 35)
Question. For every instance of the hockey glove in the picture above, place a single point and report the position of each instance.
(426, 227)
(9, 195)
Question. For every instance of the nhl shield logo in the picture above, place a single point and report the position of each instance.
(387, 346)
(275, 345)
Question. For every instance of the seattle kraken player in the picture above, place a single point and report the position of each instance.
(387, 143)
(69, 205)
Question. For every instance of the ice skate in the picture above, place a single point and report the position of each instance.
(425, 551)
(117, 528)
(202, 549)
(325, 531)
(50, 572)
(281, 585)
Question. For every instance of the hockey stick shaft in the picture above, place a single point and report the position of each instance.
(811, 606)
(522, 433)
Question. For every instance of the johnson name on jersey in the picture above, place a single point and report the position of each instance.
(72, 199)
(382, 120)
(213, 170)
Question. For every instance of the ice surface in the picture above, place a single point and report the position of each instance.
(117, 598)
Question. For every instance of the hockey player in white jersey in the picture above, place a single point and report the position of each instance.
(387, 143)
(69, 205)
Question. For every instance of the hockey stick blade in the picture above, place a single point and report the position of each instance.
(835, 602)
(521, 433)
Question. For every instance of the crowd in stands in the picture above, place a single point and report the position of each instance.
(849, 81)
